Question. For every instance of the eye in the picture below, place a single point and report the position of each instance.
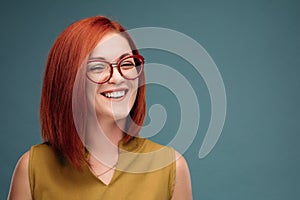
(127, 64)
(97, 67)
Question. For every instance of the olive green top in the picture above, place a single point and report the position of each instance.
(145, 170)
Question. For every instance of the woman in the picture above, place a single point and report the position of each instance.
(92, 108)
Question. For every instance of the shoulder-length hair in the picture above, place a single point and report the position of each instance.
(68, 53)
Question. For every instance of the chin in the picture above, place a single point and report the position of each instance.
(119, 116)
(115, 113)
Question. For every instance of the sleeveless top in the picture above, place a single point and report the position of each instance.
(145, 170)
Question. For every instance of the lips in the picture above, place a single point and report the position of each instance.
(115, 94)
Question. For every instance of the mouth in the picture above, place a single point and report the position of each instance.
(114, 94)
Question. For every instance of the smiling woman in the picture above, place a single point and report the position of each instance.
(92, 109)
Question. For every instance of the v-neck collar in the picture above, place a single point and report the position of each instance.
(132, 146)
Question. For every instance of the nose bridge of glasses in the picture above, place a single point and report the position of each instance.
(114, 65)
(115, 70)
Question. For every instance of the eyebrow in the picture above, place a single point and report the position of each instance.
(102, 58)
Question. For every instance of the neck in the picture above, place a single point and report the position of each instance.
(112, 129)
(102, 138)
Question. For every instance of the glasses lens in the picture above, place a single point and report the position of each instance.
(131, 67)
(98, 71)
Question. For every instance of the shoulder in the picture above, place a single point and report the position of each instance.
(182, 169)
(161, 152)
(40, 148)
(34, 160)
(150, 144)
(44, 154)
(181, 164)
(22, 165)
(183, 187)
(20, 187)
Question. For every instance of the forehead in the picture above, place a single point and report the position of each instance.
(111, 46)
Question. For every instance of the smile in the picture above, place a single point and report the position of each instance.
(114, 94)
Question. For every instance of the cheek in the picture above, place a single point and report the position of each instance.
(134, 91)
(90, 93)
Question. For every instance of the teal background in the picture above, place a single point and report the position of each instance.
(255, 45)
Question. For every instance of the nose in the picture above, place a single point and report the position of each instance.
(116, 76)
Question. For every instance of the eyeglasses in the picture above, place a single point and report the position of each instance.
(100, 71)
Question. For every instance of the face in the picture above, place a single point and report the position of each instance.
(114, 99)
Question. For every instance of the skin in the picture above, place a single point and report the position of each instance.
(20, 187)
(113, 118)
(183, 186)
(107, 115)
(110, 114)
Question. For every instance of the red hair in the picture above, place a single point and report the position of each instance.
(65, 58)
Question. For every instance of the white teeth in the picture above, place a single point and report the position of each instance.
(116, 94)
